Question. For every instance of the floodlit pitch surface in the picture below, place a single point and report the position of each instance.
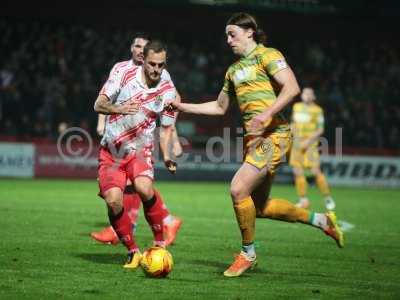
(46, 251)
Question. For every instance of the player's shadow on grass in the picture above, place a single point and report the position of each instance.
(102, 258)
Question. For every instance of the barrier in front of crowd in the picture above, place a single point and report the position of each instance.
(29, 160)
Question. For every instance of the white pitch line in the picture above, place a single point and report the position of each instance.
(345, 226)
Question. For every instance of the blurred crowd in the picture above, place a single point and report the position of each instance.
(50, 75)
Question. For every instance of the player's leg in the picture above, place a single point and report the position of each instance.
(323, 187)
(141, 172)
(300, 181)
(112, 182)
(246, 179)
(121, 224)
(171, 223)
(131, 203)
(152, 205)
(284, 210)
(313, 162)
(301, 185)
(119, 218)
(261, 154)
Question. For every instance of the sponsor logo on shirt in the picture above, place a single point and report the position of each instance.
(281, 64)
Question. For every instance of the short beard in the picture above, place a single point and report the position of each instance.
(150, 81)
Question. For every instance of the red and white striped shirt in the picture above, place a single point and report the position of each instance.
(128, 133)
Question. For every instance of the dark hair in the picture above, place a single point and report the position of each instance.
(247, 21)
(141, 35)
(156, 45)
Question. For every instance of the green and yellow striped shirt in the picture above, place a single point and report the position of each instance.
(306, 119)
(249, 80)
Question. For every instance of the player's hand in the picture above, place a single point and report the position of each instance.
(259, 122)
(171, 166)
(129, 108)
(174, 106)
(304, 145)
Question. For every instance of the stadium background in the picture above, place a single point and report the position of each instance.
(54, 62)
(55, 57)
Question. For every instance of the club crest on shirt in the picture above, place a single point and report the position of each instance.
(158, 102)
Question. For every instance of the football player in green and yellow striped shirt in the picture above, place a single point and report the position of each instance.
(262, 84)
(307, 127)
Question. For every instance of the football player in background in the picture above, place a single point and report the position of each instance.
(307, 127)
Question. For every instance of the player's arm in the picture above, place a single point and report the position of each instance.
(312, 139)
(101, 123)
(289, 89)
(165, 143)
(317, 134)
(176, 144)
(212, 108)
(104, 106)
(105, 102)
(167, 121)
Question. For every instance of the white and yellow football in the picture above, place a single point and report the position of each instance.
(156, 262)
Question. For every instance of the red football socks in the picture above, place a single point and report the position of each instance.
(155, 213)
(123, 227)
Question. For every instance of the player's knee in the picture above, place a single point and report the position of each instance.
(114, 204)
(297, 172)
(144, 187)
(316, 171)
(113, 198)
(145, 192)
(238, 192)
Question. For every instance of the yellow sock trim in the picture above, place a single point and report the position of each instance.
(246, 217)
(301, 185)
(322, 184)
(281, 209)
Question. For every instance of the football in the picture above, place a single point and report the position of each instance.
(156, 262)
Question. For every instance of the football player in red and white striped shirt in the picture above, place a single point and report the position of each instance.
(131, 200)
(132, 98)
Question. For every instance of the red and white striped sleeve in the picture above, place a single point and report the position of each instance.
(112, 86)
(168, 117)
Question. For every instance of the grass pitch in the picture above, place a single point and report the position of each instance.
(46, 252)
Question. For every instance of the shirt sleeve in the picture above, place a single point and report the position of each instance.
(273, 61)
(112, 86)
(228, 87)
(168, 117)
(166, 76)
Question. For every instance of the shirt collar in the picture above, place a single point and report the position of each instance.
(252, 51)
